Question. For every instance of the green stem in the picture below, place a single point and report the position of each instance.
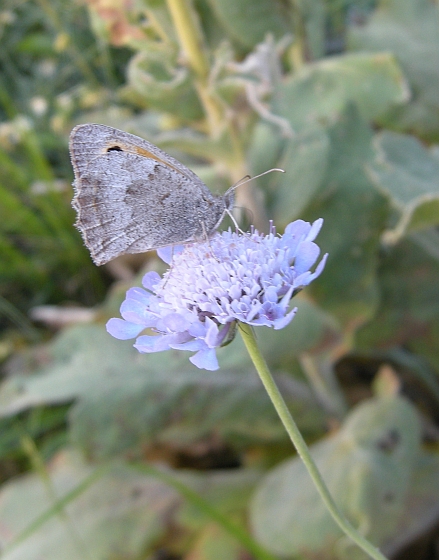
(299, 443)
(189, 36)
(191, 41)
(49, 514)
(297, 49)
(197, 500)
(59, 504)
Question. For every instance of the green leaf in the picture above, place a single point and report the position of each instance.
(355, 215)
(178, 409)
(422, 510)
(315, 20)
(83, 358)
(265, 149)
(410, 29)
(304, 161)
(367, 466)
(248, 22)
(408, 174)
(409, 301)
(122, 511)
(121, 392)
(321, 91)
(154, 76)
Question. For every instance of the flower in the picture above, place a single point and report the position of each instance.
(211, 285)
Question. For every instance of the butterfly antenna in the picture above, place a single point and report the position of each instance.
(248, 178)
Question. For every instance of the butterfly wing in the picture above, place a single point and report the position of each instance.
(132, 197)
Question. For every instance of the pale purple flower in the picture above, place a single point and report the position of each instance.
(211, 285)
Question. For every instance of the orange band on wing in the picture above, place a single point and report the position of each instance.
(141, 152)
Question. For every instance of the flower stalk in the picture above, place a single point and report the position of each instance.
(279, 404)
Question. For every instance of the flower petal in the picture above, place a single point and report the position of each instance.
(306, 257)
(168, 253)
(147, 344)
(123, 330)
(284, 321)
(150, 280)
(137, 312)
(176, 322)
(205, 359)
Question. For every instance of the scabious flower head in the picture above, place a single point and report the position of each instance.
(211, 285)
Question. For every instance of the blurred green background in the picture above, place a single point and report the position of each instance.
(110, 455)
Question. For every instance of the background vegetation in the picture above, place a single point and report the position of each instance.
(107, 454)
